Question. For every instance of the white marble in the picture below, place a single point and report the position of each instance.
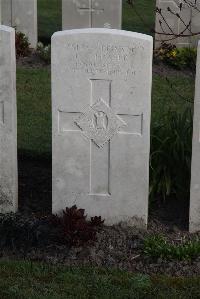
(195, 170)
(8, 122)
(0, 12)
(195, 25)
(101, 104)
(91, 14)
(170, 23)
(21, 14)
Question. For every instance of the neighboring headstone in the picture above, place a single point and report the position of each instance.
(91, 14)
(101, 101)
(6, 12)
(195, 25)
(169, 23)
(8, 122)
(21, 14)
(195, 171)
(0, 12)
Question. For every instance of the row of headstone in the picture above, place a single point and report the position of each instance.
(169, 23)
(101, 99)
(78, 14)
(22, 14)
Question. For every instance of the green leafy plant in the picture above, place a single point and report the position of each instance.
(44, 52)
(158, 247)
(179, 58)
(170, 159)
(22, 45)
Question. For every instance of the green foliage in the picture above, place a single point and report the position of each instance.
(158, 247)
(22, 44)
(44, 52)
(179, 58)
(171, 155)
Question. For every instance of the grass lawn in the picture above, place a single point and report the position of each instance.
(24, 280)
(140, 19)
(34, 106)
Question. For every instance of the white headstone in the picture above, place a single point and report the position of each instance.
(0, 12)
(91, 14)
(169, 23)
(21, 14)
(195, 25)
(8, 122)
(195, 171)
(101, 101)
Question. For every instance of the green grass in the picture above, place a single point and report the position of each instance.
(24, 280)
(34, 105)
(49, 18)
(34, 110)
(140, 19)
(158, 246)
(165, 97)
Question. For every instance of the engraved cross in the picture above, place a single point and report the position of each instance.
(91, 10)
(99, 123)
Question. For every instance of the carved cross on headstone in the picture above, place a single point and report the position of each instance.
(91, 9)
(99, 123)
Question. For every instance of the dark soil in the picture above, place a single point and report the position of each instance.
(32, 61)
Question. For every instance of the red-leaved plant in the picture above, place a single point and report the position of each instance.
(22, 45)
(74, 228)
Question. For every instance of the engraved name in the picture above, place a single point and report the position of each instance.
(102, 58)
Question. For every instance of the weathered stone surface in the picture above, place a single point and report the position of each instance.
(169, 23)
(21, 14)
(101, 101)
(8, 122)
(91, 14)
(0, 12)
(195, 171)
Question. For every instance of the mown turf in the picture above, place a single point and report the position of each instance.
(140, 18)
(26, 280)
(49, 18)
(34, 110)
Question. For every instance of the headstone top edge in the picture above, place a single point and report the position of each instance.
(6, 28)
(118, 32)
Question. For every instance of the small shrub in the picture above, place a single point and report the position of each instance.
(22, 45)
(19, 231)
(74, 228)
(44, 52)
(170, 159)
(71, 228)
(179, 58)
(158, 247)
